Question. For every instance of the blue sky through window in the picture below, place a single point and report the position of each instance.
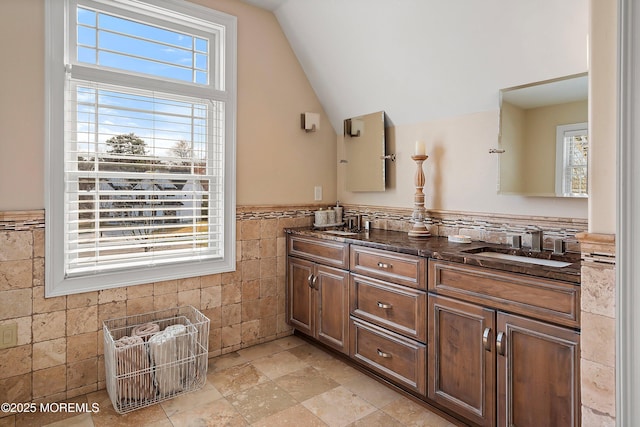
(111, 41)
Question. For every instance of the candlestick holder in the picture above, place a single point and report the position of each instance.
(417, 217)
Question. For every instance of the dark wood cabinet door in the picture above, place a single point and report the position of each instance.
(461, 358)
(332, 299)
(538, 373)
(300, 304)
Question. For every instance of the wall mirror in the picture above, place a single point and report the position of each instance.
(364, 150)
(543, 140)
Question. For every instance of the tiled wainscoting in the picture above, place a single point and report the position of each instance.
(60, 343)
(598, 337)
(59, 354)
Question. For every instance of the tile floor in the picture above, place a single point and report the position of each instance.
(287, 382)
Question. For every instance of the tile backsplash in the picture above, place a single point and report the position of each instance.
(59, 353)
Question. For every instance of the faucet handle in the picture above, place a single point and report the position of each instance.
(515, 240)
(559, 247)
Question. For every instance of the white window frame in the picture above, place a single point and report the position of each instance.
(561, 160)
(57, 63)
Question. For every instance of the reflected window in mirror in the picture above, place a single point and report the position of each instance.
(572, 149)
(531, 164)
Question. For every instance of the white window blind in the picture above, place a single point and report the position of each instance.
(146, 154)
(572, 153)
(575, 171)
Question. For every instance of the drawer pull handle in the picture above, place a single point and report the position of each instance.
(310, 280)
(500, 343)
(383, 354)
(384, 305)
(314, 282)
(384, 265)
(485, 339)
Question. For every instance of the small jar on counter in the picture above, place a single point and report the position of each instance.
(321, 218)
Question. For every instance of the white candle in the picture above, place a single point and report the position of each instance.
(419, 150)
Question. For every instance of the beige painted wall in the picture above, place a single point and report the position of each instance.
(273, 152)
(512, 140)
(460, 173)
(603, 114)
(21, 104)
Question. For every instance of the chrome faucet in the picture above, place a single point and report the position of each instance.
(536, 240)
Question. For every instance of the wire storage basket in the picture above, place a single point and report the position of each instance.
(155, 356)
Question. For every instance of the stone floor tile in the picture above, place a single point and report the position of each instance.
(310, 354)
(338, 407)
(410, 413)
(237, 378)
(84, 420)
(261, 350)
(213, 414)
(186, 402)
(108, 417)
(377, 419)
(372, 391)
(261, 401)
(305, 383)
(290, 342)
(294, 416)
(279, 364)
(337, 370)
(226, 361)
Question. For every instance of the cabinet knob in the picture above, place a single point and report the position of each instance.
(384, 305)
(500, 343)
(485, 339)
(314, 282)
(384, 265)
(310, 281)
(383, 354)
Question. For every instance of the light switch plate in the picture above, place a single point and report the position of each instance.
(8, 335)
(317, 192)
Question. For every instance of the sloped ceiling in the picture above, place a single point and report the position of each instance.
(420, 60)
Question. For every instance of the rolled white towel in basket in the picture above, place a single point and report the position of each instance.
(182, 347)
(133, 373)
(163, 352)
(145, 330)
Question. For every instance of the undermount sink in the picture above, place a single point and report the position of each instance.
(529, 260)
(340, 232)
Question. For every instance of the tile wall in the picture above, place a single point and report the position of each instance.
(598, 337)
(59, 354)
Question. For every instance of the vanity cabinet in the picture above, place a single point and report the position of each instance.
(318, 290)
(503, 348)
(388, 305)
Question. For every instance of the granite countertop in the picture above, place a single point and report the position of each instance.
(441, 248)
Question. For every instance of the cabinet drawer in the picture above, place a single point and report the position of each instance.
(394, 307)
(397, 358)
(404, 269)
(544, 299)
(328, 252)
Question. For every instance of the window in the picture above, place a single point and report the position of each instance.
(572, 153)
(140, 144)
